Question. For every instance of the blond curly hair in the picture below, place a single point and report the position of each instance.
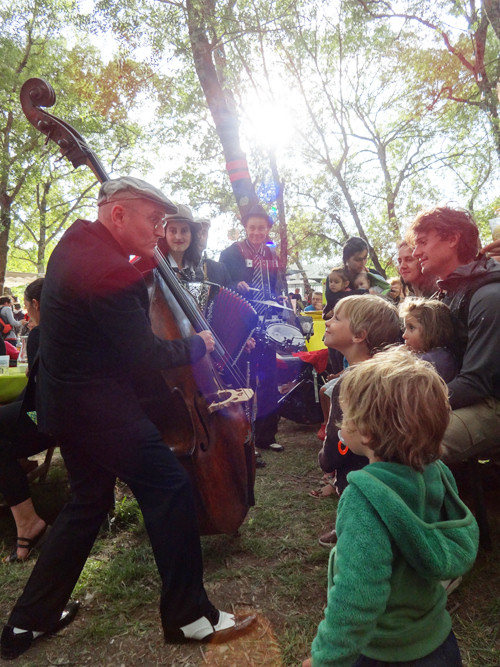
(400, 403)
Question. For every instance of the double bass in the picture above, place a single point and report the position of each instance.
(210, 431)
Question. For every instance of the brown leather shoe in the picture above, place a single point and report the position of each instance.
(204, 631)
(241, 625)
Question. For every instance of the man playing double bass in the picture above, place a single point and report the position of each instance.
(96, 338)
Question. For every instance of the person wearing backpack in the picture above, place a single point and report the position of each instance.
(8, 320)
(446, 242)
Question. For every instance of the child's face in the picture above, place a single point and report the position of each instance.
(337, 283)
(361, 282)
(338, 334)
(413, 334)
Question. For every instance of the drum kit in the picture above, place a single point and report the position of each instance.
(277, 330)
(298, 381)
(283, 331)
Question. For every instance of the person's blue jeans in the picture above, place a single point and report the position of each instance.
(446, 655)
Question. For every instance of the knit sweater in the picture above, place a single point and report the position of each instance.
(400, 532)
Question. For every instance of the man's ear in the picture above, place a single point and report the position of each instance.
(117, 216)
(453, 239)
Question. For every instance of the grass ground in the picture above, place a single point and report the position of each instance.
(274, 566)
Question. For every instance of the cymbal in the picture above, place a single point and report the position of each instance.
(272, 304)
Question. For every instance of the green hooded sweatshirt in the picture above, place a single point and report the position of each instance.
(400, 532)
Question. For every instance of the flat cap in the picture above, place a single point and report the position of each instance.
(128, 187)
(184, 215)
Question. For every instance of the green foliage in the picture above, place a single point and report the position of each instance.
(375, 128)
(96, 97)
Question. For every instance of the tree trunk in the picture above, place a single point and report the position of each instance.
(492, 10)
(42, 239)
(305, 279)
(283, 232)
(354, 213)
(4, 242)
(224, 116)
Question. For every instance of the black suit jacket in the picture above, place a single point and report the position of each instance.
(96, 338)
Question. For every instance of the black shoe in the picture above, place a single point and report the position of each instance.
(260, 463)
(13, 645)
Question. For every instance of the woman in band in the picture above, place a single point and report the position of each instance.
(180, 245)
(184, 244)
(253, 268)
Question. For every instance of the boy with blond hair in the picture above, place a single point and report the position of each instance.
(360, 326)
(401, 525)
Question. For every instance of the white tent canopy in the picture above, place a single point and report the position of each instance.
(16, 279)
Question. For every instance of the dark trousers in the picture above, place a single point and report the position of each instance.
(446, 655)
(266, 374)
(139, 457)
(19, 439)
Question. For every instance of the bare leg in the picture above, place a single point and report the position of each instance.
(28, 524)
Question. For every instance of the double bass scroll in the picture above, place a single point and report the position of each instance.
(36, 93)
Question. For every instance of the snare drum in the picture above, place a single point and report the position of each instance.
(284, 338)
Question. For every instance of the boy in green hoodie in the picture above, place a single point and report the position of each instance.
(401, 526)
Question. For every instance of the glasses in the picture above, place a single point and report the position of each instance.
(158, 221)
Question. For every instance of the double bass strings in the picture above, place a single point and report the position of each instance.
(195, 316)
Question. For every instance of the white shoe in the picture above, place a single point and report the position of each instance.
(228, 627)
(202, 628)
(451, 585)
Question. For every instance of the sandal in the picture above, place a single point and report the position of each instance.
(324, 492)
(27, 543)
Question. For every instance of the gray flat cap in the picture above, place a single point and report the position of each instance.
(128, 187)
(184, 215)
